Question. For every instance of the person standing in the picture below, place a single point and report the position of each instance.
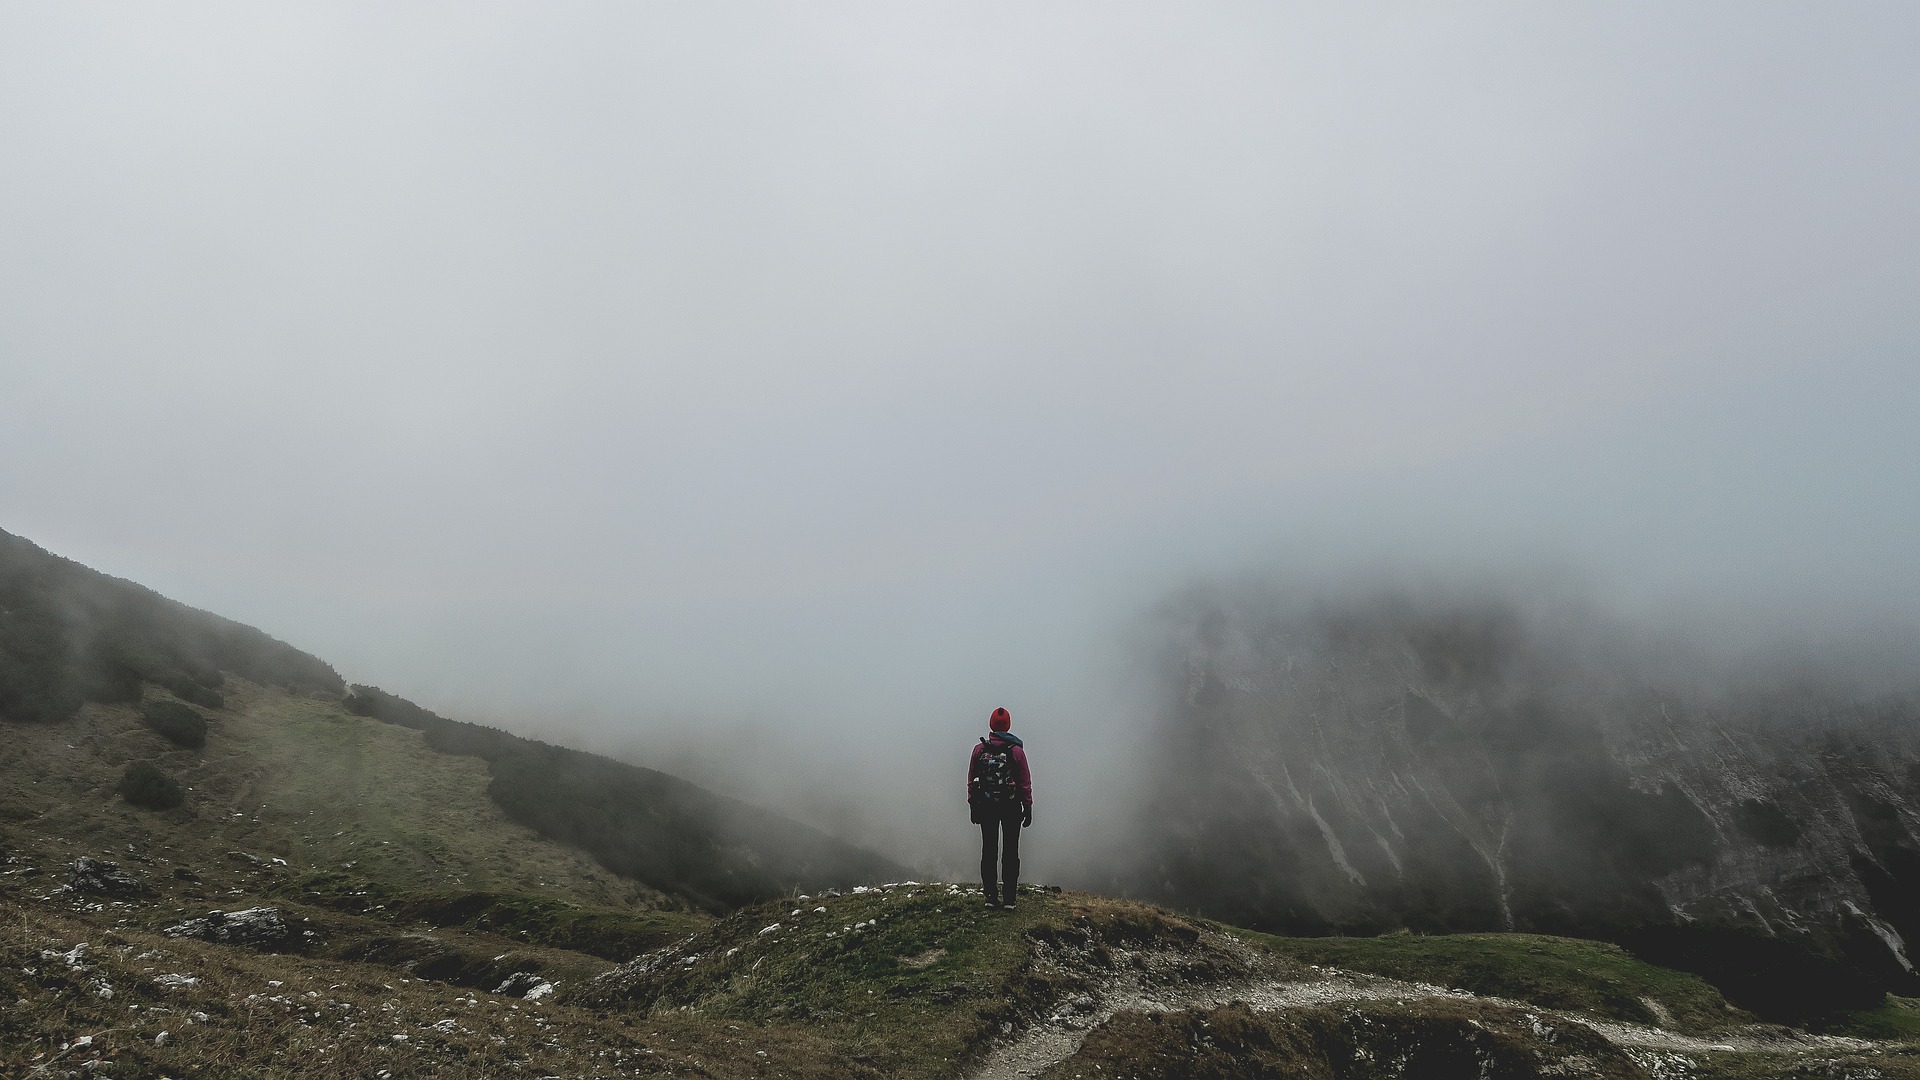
(1000, 799)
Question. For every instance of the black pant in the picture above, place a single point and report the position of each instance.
(1000, 821)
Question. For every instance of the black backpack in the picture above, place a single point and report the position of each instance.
(996, 777)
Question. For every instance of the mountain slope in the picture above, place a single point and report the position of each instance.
(69, 634)
(916, 979)
(904, 980)
(1450, 766)
(352, 886)
(646, 825)
(291, 778)
(79, 647)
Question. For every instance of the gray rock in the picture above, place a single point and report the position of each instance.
(524, 984)
(250, 926)
(87, 874)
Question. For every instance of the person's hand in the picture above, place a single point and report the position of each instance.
(1026, 814)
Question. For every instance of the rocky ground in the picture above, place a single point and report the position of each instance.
(107, 977)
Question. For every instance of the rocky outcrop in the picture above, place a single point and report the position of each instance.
(259, 927)
(1447, 768)
(90, 875)
(524, 984)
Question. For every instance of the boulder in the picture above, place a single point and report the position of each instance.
(250, 926)
(86, 874)
(524, 984)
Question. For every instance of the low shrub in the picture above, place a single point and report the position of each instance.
(143, 784)
(181, 725)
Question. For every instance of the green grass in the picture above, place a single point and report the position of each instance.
(403, 867)
(616, 934)
(1895, 1020)
(1879, 1064)
(916, 991)
(297, 779)
(1556, 973)
(909, 994)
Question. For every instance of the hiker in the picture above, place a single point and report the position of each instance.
(1000, 797)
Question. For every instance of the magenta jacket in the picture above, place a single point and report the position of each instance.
(1019, 760)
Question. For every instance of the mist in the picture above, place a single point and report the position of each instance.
(1510, 752)
(769, 394)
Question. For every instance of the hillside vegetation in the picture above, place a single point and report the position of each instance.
(419, 914)
(907, 980)
(70, 635)
(303, 781)
(713, 851)
(73, 637)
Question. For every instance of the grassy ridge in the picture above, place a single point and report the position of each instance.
(912, 980)
(69, 635)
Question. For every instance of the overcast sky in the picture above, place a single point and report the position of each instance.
(781, 387)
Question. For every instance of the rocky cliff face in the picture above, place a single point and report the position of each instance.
(1449, 766)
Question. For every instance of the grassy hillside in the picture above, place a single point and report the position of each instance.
(903, 981)
(69, 635)
(911, 980)
(295, 779)
(78, 648)
(646, 825)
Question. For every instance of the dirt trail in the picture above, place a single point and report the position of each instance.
(1144, 987)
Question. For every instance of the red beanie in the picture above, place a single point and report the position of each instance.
(1001, 720)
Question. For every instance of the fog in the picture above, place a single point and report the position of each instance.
(1381, 753)
(769, 392)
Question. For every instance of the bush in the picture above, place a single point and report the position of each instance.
(145, 785)
(181, 725)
